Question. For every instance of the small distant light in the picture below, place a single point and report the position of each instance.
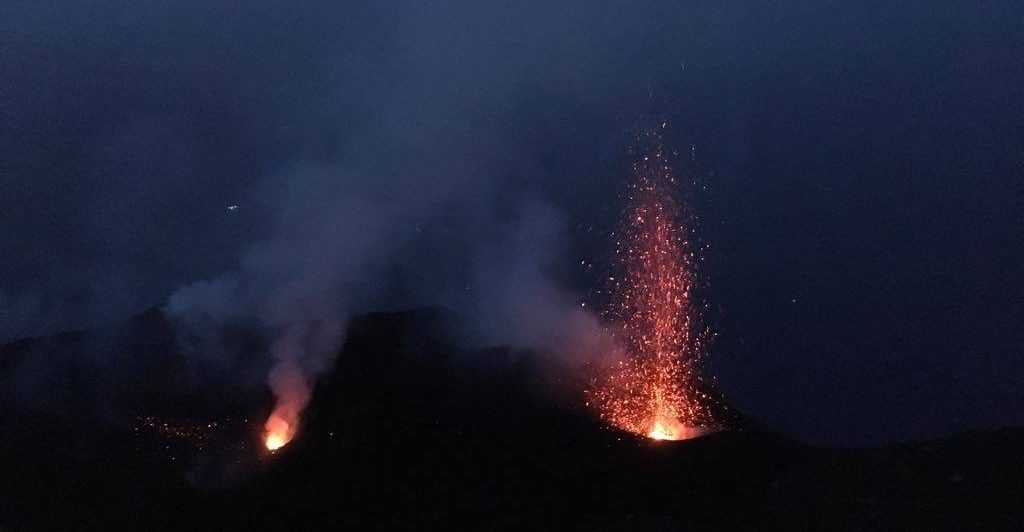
(232, 208)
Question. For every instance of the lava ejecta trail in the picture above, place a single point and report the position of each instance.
(655, 390)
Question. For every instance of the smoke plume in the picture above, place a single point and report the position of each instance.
(434, 171)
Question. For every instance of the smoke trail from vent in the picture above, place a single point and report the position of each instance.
(332, 255)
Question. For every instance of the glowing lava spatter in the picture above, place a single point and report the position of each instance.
(655, 390)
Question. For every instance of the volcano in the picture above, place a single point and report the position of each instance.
(111, 428)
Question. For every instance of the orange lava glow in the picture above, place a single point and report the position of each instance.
(277, 432)
(667, 430)
(655, 389)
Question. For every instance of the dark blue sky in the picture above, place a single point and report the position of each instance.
(862, 172)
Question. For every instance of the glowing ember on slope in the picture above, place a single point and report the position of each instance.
(655, 390)
(198, 435)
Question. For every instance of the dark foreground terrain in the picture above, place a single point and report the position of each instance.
(115, 428)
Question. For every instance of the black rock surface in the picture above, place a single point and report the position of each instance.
(122, 428)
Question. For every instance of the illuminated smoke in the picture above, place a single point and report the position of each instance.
(292, 393)
(655, 389)
(302, 351)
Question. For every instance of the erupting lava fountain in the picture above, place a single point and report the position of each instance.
(656, 390)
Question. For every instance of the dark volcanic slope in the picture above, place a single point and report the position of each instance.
(409, 432)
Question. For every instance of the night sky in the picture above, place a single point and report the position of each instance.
(857, 172)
